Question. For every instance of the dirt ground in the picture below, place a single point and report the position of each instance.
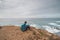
(14, 33)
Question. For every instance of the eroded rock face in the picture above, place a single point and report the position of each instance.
(14, 33)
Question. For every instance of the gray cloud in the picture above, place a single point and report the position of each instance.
(51, 8)
(29, 8)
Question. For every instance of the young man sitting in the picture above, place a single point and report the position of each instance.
(24, 27)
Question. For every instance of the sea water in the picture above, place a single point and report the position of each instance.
(52, 25)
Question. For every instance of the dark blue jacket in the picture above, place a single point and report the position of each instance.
(23, 27)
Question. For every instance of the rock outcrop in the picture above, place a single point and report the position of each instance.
(14, 33)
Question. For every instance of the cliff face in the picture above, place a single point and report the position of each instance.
(14, 33)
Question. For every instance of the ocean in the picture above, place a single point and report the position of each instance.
(52, 25)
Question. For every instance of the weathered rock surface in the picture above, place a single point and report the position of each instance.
(14, 33)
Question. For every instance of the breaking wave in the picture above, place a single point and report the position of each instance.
(58, 21)
(46, 27)
(51, 30)
(54, 24)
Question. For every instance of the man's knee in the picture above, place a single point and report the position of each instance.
(28, 27)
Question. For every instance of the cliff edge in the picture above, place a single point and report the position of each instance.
(14, 33)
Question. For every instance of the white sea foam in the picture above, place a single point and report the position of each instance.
(46, 27)
(54, 24)
(51, 30)
(34, 25)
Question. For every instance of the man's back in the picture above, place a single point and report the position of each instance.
(23, 27)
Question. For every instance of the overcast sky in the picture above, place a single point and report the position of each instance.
(29, 8)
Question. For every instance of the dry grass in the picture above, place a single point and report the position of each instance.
(14, 33)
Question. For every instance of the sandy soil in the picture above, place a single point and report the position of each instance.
(14, 33)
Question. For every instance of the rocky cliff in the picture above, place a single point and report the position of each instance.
(14, 33)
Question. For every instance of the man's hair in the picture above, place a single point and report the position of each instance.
(25, 22)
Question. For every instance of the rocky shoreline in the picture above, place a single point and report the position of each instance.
(14, 33)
